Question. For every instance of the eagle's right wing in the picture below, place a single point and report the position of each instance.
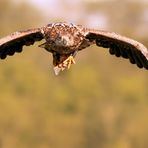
(15, 41)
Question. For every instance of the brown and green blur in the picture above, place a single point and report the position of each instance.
(101, 102)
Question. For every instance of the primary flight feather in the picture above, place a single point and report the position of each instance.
(64, 40)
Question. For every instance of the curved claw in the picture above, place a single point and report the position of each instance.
(70, 60)
(65, 64)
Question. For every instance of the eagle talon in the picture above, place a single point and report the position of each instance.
(69, 61)
(65, 64)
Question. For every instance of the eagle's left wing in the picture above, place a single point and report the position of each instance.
(15, 41)
(119, 45)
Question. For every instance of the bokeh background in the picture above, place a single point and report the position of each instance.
(101, 102)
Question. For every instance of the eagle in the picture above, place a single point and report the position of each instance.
(64, 40)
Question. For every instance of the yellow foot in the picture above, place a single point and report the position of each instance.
(65, 64)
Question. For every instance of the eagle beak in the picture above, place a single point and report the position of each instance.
(66, 64)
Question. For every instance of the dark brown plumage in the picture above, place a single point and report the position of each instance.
(64, 40)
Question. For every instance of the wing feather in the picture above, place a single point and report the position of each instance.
(120, 46)
(15, 41)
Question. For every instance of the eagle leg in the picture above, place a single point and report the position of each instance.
(69, 61)
(65, 64)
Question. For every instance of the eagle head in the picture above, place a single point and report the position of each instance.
(64, 40)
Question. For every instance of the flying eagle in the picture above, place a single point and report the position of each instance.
(64, 40)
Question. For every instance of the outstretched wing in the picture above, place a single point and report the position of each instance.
(120, 46)
(15, 41)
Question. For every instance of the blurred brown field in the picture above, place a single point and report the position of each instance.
(101, 102)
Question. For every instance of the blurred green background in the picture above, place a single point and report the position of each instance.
(101, 102)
